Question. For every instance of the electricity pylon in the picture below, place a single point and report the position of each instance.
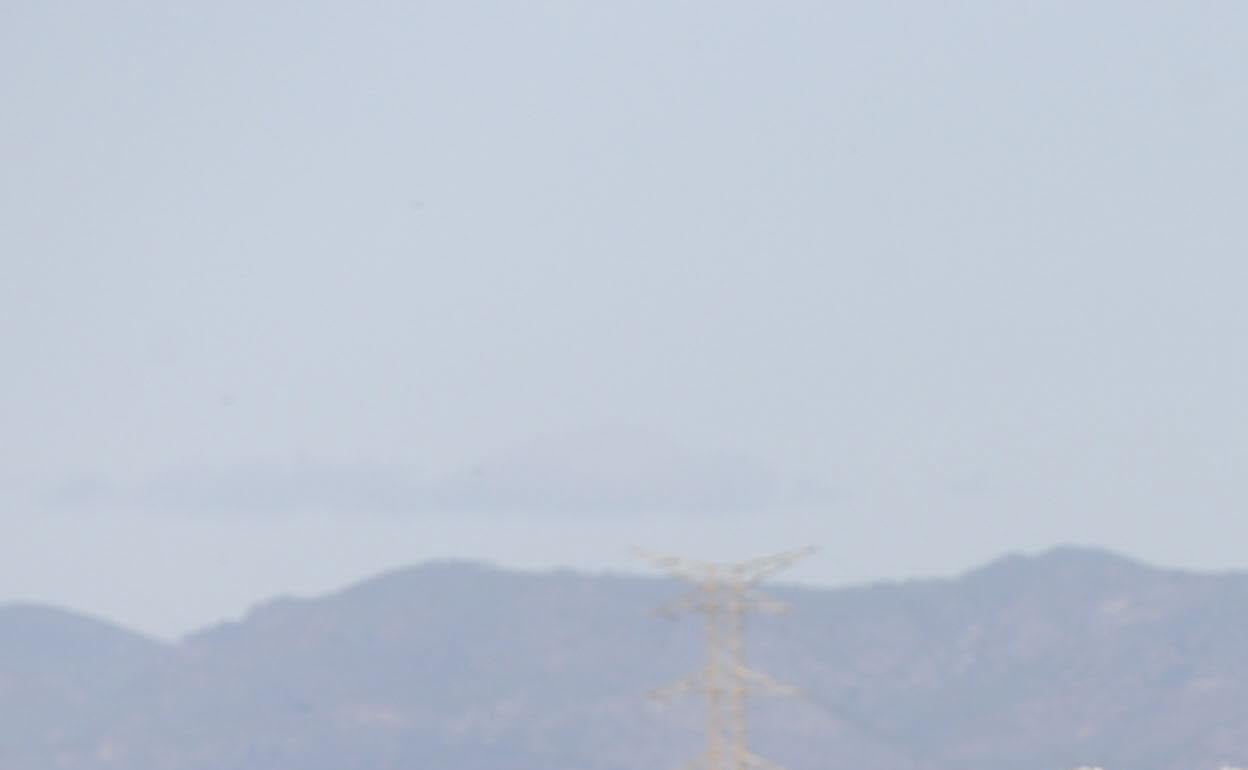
(724, 593)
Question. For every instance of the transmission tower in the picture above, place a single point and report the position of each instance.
(723, 594)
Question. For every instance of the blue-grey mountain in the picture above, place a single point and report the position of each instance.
(1072, 657)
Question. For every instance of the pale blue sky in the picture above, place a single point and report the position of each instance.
(293, 292)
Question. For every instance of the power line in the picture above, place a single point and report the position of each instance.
(724, 593)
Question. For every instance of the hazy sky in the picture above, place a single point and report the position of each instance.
(297, 291)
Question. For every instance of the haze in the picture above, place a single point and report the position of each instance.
(296, 292)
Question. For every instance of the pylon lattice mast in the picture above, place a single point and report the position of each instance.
(724, 593)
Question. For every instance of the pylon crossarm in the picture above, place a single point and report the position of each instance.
(755, 761)
(755, 570)
(761, 684)
(671, 692)
(678, 566)
(701, 763)
(700, 682)
(696, 601)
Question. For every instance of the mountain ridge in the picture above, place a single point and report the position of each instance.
(1068, 657)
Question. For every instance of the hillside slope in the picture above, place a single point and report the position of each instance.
(1071, 657)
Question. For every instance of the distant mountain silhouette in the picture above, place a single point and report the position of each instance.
(1072, 657)
(615, 471)
(602, 473)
